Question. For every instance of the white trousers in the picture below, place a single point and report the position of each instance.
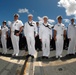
(46, 46)
(31, 45)
(15, 43)
(59, 45)
(72, 45)
(4, 41)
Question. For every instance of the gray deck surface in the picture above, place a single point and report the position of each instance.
(52, 66)
(11, 65)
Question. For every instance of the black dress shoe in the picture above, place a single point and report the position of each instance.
(28, 56)
(47, 57)
(43, 57)
(32, 56)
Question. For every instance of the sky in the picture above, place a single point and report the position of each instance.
(39, 8)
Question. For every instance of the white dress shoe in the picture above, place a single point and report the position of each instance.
(16, 54)
(56, 56)
(13, 54)
(60, 56)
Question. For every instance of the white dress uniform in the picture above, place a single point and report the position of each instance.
(45, 34)
(59, 36)
(4, 29)
(72, 35)
(15, 39)
(30, 31)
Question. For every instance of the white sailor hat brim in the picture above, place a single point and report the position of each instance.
(59, 17)
(4, 21)
(72, 18)
(16, 15)
(45, 17)
(30, 15)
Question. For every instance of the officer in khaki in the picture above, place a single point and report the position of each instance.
(16, 29)
(4, 33)
(59, 35)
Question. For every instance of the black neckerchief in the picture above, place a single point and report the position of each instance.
(30, 24)
(47, 26)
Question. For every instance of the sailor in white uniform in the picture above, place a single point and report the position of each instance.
(45, 34)
(72, 37)
(4, 33)
(59, 35)
(16, 29)
(30, 32)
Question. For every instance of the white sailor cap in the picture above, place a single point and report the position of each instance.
(16, 15)
(72, 19)
(45, 17)
(4, 21)
(59, 17)
(30, 15)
